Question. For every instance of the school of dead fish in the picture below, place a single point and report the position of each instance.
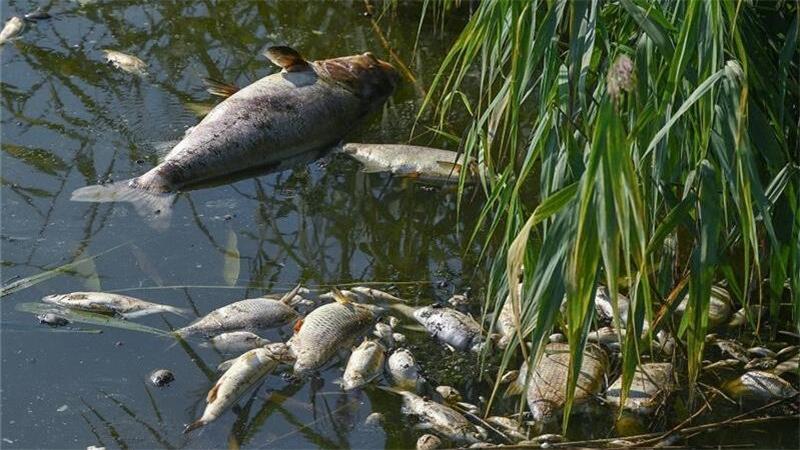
(313, 104)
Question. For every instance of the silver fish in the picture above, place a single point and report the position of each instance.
(402, 370)
(651, 383)
(126, 63)
(444, 420)
(253, 314)
(327, 329)
(364, 365)
(451, 327)
(309, 105)
(106, 303)
(243, 374)
(759, 387)
(236, 342)
(11, 29)
(411, 160)
(384, 332)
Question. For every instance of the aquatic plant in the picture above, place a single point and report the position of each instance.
(651, 147)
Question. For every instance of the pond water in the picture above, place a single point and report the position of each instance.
(70, 120)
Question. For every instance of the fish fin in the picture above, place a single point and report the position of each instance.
(199, 109)
(137, 314)
(514, 388)
(183, 312)
(225, 365)
(298, 325)
(212, 394)
(287, 58)
(220, 88)
(340, 296)
(289, 296)
(194, 425)
(154, 207)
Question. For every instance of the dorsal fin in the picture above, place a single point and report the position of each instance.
(220, 88)
(289, 296)
(287, 58)
(340, 296)
(212, 394)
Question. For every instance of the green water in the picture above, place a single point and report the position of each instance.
(70, 120)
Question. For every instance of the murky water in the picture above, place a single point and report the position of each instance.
(70, 120)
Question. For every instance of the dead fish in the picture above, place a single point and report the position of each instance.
(651, 383)
(243, 374)
(411, 161)
(327, 329)
(37, 15)
(451, 327)
(365, 364)
(402, 370)
(11, 29)
(509, 427)
(760, 387)
(763, 363)
(547, 387)
(161, 377)
(364, 294)
(253, 314)
(428, 442)
(449, 394)
(236, 342)
(506, 325)
(790, 365)
(719, 307)
(384, 332)
(374, 419)
(399, 338)
(308, 106)
(106, 303)
(52, 319)
(126, 63)
(444, 420)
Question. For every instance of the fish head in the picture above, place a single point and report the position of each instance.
(54, 298)
(280, 352)
(369, 78)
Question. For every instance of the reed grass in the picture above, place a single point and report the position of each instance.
(648, 146)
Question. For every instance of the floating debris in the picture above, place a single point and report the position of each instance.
(126, 63)
(161, 377)
(106, 303)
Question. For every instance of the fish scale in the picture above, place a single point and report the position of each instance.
(327, 329)
(250, 315)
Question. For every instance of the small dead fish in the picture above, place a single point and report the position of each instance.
(428, 442)
(253, 314)
(651, 383)
(236, 342)
(732, 348)
(402, 370)
(243, 374)
(364, 365)
(451, 327)
(106, 303)
(411, 160)
(399, 338)
(327, 329)
(763, 363)
(506, 326)
(724, 364)
(444, 420)
(509, 427)
(52, 319)
(37, 15)
(760, 387)
(719, 307)
(760, 352)
(11, 29)
(384, 332)
(449, 394)
(126, 63)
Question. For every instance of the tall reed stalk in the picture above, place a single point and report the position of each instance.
(648, 146)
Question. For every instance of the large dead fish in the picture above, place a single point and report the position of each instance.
(328, 329)
(451, 327)
(253, 314)
(547, 386)
(411, 161)
(243, 374)
(308, 105)
(106, 303)
(11, 29)
(440, 418)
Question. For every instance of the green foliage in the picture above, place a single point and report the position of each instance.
(660, 143)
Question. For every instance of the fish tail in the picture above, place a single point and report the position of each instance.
(144, 193)
(183, 312)
(194, 425)
(514, 388)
